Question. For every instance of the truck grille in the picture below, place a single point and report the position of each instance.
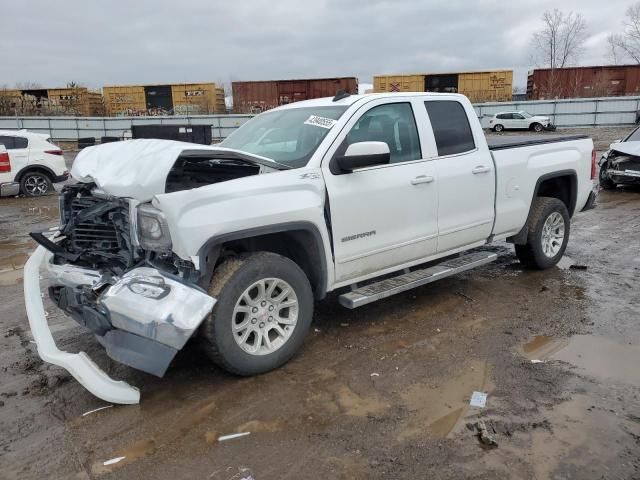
(96, 229)
(96, 234)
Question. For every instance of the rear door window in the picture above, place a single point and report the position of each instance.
(451, 127)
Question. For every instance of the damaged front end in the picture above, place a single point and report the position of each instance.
(621, 165)
(143, 305)
(112, 265)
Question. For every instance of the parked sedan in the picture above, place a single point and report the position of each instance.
(519, 121)
(34, 163)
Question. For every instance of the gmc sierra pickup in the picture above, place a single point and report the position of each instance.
(161, 241)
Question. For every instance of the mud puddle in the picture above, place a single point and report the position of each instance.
(595, 355)
(436, 409)
(12, 263)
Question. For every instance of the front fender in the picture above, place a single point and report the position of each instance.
(289, 196)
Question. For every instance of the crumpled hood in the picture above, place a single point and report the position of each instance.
(628, 148)
(135, 169)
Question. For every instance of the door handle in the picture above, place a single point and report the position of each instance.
(480, 169)
(422, 179)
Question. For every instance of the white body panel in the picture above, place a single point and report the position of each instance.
(518, 171)
(628, 148)
(134, 169)
(283, 197)
(383, 215)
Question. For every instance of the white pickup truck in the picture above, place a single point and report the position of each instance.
(371, 195)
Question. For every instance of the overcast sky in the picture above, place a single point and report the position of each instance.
(99, 43)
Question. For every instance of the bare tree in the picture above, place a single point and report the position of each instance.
(559, 43)
(615, 53)
(628, 41)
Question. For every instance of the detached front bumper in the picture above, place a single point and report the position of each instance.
(142, 319)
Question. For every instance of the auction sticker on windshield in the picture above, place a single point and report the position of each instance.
(320, 121)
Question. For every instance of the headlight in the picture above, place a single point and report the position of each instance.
(153, 229)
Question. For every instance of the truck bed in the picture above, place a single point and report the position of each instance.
(517, 141)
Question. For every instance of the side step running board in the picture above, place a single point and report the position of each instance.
(407, 281)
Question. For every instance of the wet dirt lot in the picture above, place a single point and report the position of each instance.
(379, 392)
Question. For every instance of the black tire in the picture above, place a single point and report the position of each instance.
(498, 128)
(35, 184)
(532, 254)
(537, 127)
(605, 182)
(229, 282)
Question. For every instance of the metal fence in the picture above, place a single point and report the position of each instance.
(574, 112)
(72, 128)
(577, 112)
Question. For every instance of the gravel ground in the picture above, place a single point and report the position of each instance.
(379, 392)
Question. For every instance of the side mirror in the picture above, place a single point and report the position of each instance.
(364, 154)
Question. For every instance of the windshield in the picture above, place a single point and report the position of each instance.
(525, 114)
(289, 136)
(633, 136)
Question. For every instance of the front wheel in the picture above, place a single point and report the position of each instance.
(537, 127)
(498, 128)
(549, 226)
(263, 312)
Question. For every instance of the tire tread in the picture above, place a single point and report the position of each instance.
(528, 253)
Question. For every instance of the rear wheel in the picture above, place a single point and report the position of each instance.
(263, 312)
(605, 182)
(549, 226)
(498, 128)
(34, 184)
(537, 127)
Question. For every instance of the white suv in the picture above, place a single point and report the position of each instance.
(33, 166)
(519, 121)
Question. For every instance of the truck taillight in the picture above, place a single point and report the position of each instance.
(5, 163)
(593, 164)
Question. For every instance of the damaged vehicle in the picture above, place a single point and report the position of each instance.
(161, 241)
(621, 164)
